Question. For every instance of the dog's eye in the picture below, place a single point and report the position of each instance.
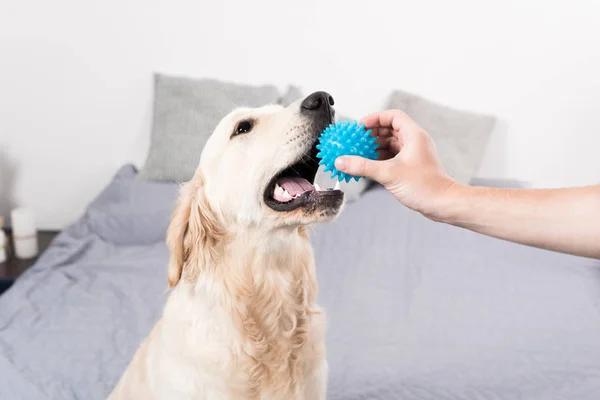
(244, 127)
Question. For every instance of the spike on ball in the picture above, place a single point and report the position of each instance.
(345, 138)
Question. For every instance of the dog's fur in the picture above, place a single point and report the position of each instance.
(242, 320)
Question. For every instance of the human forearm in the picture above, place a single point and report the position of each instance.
(565, 220)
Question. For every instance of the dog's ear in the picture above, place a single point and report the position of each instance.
(193, 234)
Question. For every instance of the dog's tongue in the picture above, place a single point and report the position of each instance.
(295, 186)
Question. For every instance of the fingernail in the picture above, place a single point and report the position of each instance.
(340, 163)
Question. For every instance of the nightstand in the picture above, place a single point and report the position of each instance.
(13, 267)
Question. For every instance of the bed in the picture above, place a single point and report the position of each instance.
(417, 310)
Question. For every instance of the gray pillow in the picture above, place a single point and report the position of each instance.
(186, 111)
(352, 190)
(460, 137)
(292, 94)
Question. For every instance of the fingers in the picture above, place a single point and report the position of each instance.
(395, 119)
(401, 125)
(386, 155)
(390, 144)
(382, 132)
(359, 166)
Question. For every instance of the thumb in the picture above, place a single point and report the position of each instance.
(359, 166)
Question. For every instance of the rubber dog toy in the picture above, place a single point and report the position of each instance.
(345, 139)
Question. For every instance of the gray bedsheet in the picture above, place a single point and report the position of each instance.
(417, 310)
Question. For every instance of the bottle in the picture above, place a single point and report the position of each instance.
(2, 241)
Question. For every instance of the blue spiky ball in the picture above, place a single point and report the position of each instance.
(345, 138)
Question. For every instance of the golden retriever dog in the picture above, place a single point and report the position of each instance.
(241, 321)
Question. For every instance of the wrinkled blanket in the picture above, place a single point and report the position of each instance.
(417, 310)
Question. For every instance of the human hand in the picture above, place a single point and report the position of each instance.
(408, 165)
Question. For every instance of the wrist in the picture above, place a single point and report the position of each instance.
(452, 204)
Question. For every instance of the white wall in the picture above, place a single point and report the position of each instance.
(76, 77)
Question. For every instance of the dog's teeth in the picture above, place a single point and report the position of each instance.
(278, 190)
(286, 195)
(337, 185)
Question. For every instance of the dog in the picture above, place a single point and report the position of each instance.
(241, 321)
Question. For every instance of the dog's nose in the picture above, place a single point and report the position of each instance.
(317, 101)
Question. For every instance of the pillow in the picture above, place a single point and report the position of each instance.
(186, 112)
(460, 137)
(292, 94)
(352, 190)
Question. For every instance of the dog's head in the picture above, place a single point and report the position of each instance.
(256, 170)
(259, 165)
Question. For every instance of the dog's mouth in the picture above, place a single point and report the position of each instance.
(295, 187)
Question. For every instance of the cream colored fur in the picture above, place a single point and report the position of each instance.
(241, 321)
